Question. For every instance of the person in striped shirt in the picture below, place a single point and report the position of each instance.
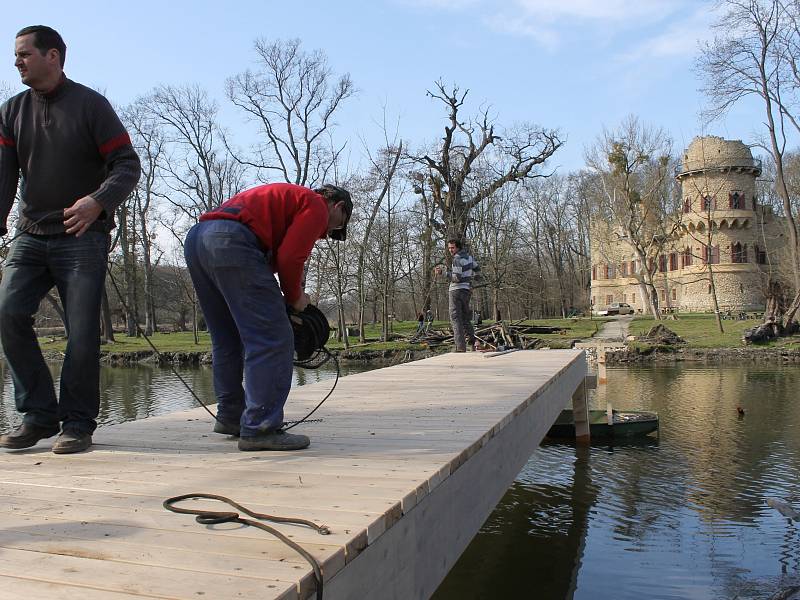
(461, 274)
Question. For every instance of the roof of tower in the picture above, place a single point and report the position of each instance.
(712, 151)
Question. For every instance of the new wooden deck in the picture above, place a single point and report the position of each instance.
(408, 463)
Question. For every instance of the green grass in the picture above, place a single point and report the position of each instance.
(701, 331)
(165, 342)
(576, 328)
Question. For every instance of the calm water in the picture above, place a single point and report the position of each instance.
(681, 516)
(130, 393)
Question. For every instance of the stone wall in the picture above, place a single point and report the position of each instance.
(715, 167)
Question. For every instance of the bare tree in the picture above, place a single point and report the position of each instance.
(201, 174)
(755, 53)
(148, 139)
(453, 187)
(635, 167)
(292, 97)
(383, 169)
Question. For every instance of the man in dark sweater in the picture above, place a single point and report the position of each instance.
(77, 166)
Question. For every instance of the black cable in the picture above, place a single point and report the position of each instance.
(309, 363)
(210, 517)
(150, 343)
(7, 243)
(305, 419)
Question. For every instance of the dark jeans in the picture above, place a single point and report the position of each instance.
(246, 316)
(76, 266)
(459, 318)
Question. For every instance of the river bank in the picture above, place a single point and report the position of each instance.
(624, 339)
(711, 356)
(164, 358)
(631, 354)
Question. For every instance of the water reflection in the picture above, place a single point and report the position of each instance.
(144, 390)
(681, 516)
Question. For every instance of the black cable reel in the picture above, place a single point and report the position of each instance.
(311, 332)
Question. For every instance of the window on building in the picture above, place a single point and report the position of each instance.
(761, 255)
(711, 255)
(609, 299)
(594, 272)
(707, 203)
(738, 253)
(612, 271)
(605, 271)
(623, 269)
(662, 264)
(709, 288)
(673, 261)
(674, 294)
(687, 205)
(736, 200)
(663, 295)
(687, 257)
(633, 267)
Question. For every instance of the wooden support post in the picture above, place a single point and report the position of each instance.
(580, 414)
(601, 366)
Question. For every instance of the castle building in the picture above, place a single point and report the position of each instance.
(721, 231)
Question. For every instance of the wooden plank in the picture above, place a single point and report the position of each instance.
(144, 580)
(412, 558)
(382, 470)
(17, 587)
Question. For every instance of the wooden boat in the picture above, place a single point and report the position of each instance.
(624, 425)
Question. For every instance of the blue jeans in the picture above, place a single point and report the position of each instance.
(460, 318)
(76, 266)
(246, 316)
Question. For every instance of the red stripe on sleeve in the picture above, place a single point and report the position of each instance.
(4, 141)
(121, 140)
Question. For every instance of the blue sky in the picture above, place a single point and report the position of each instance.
(575, 65)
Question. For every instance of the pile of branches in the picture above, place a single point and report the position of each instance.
(496, 336)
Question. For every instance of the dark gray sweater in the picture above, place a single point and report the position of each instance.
(67, 144)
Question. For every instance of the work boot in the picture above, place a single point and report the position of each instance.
(274, 440)
(70, 442)
(226, 428)
(26, 435)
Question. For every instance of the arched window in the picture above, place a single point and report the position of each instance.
(687, 257)
(711, 255)
(738, 253)
(736, 200)
(707, 203)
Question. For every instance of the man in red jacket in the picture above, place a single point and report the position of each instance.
(233, 255)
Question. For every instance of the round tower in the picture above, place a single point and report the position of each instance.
(719, 225)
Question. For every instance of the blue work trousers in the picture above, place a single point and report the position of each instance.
(463, 332)
(76, 266)
(246, 316)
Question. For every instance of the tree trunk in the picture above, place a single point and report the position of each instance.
(106, 324)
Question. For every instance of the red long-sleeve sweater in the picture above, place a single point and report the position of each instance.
(288, 219)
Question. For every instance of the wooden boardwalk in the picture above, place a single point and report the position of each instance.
(407, 465)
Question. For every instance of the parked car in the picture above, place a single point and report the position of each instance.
(615, 308)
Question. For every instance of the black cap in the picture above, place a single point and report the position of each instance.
(336, 194)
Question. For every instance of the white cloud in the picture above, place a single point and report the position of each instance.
(608, 11)
(454, 5)
(681, 38)
(548, 22)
